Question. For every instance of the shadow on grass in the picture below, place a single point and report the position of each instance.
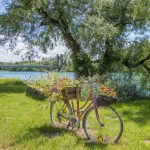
(34, 133)
(15, 86)
(51, 132)
(36, 97)
(2, 95)
(92, 145)
(137, 111)
(12, 86)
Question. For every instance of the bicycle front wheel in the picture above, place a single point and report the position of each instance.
(109, 131)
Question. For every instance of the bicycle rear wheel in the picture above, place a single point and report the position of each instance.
(60, 113)
(111, 130)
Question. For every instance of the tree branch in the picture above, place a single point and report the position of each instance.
(47, 18)
(141, 62)
(127, 22)
(148, 69)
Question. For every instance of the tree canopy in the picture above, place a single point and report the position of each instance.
(96, 32)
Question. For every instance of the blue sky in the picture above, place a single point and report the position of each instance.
(2, 8)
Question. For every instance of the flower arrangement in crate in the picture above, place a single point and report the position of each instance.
(59, 87)
(51, 85)
(106, 90)
(107, 95)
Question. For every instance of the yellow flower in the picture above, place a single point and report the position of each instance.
(61, 96)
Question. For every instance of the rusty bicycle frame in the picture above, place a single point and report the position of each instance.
(79, 111)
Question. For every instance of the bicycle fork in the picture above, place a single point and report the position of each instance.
(98, 116)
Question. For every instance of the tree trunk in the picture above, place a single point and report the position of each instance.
(80, 64)
(108, 58)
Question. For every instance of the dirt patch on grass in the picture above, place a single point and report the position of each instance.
(147, 141)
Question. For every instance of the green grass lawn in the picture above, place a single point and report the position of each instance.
(24, 124)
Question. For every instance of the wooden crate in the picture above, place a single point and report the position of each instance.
(71, 93)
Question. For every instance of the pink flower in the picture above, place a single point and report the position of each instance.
(107, 90)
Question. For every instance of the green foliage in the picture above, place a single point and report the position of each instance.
(67, 62)
(127, 86)
(81, 63)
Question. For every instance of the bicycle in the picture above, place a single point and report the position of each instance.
(101, 122)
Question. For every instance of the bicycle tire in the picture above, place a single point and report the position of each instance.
(53, 111)
(86, 130)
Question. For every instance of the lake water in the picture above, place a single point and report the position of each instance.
(28, 74)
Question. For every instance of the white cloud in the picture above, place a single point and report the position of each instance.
(6, 55)
(60, 49)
